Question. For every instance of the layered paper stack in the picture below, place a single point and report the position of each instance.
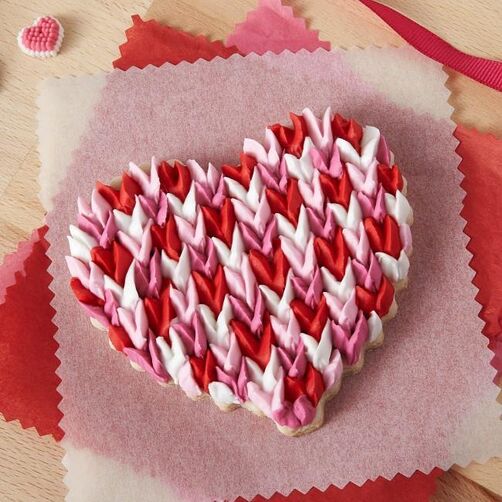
(431, 345)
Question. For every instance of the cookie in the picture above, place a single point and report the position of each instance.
(42, 39)
(259, 284)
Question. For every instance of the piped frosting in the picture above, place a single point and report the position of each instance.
(258, 283)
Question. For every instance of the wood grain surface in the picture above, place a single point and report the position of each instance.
(30, 466)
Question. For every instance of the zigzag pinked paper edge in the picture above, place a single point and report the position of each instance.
(288, 304)
(183, 47)
(490, 330)
(12, 263)
(290, 32)
(22, 343)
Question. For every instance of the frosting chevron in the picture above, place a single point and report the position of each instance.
(260, 283)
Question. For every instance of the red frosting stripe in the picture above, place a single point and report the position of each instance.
(111, 195)
(291, 139)
(392, 242)
(332, 255)
(166, 238)
(384, 237)
(390, 178)
(119, 338)
(115, 262)
(257, 348)
(337, 190)
(294, 388)
(379, 301)
(347, 129)
(175, 179)
(220, 222)
(385, 297)
(272, 273)
(204, 369)
(122, 260)
(128, 191)
(241, 173)
(123, 199)
(84, 295)
(160, 313)
(104, 259)
(211, 291)
(312, 321)
(287, 204)
(314, 384)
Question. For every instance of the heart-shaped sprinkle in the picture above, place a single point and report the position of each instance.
(259, 284)
(42, 39)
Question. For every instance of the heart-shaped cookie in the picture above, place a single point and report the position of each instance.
(42, 39)
(260, 284)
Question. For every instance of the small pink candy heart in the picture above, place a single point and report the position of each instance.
(42, 39)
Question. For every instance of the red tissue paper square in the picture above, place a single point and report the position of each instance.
(27, 347)
(416, 488)
(149, 42)
(481, 165)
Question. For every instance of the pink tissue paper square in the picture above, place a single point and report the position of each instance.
(421, 401)
(274, 27)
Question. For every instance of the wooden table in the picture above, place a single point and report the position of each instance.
(30, 466)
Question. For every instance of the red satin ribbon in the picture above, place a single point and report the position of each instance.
(485, 71)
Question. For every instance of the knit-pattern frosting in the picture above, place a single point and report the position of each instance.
(257, 283)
